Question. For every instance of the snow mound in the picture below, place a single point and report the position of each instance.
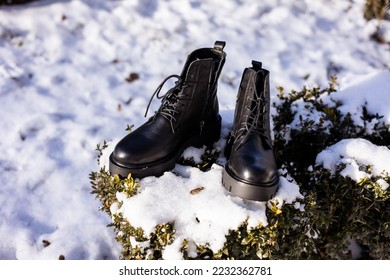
(355, 153)
(370, 90)
(196, 202)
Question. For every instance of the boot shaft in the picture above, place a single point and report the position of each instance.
(194, 99)
(253, 105)
(204, 68)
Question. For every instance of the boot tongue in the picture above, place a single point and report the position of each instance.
(170, 103)
(257, 106)
(169, 100)
(252, 121)
(245, 109)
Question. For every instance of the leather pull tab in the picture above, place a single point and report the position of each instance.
(219, 45)
(256, 65)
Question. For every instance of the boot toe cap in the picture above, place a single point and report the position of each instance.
(131, 152)
(257, 175)
(255, 171)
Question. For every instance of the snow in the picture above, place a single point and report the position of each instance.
(202, 210)
(371, 90)
(63, 89)
(194, 154)
(206, 216)
(355, 153)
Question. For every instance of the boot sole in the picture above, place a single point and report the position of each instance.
(208, 137)
(248, 191)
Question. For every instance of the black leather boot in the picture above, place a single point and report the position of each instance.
(188, 116)
(251, 170)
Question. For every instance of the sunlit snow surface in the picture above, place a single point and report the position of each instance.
(63, 89)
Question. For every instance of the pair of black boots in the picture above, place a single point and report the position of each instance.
(189, 116)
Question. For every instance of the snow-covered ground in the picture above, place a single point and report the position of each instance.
(65, 86)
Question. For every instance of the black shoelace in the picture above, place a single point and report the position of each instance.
(170, 100)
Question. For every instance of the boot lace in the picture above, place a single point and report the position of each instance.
(254, 123)
(170, 100)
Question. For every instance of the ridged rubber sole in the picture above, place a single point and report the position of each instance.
(210, 135)
(248, 191)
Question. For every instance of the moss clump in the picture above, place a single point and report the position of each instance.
(334, 213)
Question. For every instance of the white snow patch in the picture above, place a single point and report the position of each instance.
(354, 153)
(195, 154)
(204, 218)
(370, 90)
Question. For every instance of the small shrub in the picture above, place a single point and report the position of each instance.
(376, 9)
(338, 209)
(334, 212)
